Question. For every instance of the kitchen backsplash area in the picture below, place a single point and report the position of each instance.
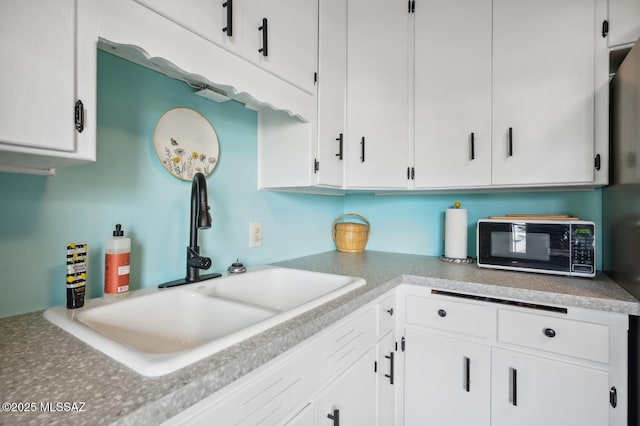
(128, 185)
(415, 224)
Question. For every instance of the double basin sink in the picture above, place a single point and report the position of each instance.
(155, 332)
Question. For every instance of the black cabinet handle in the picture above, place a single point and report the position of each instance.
(613, 397)
(229, 28)
(510, 139)
(265, 40)
(335, 417)
(513, 386)
(473, 146)
(549, 332)
(466, 370)
(390, 357)
(339, 139)
(362, 150)
(442, 313)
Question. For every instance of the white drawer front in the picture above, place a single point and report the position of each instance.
(386, 315)
(467, 318)
(344, 344)
(552, 334)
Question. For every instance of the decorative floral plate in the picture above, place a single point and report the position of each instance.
(186, 143)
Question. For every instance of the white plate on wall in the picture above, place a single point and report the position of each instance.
(186, 143)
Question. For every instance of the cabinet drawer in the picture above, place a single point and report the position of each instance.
(466, 318)
(346, 343)
(386, 315)
(264, 400)
(552, 334)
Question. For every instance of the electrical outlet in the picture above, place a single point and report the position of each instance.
(255, 234)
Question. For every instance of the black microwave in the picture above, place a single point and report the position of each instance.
(563, 247)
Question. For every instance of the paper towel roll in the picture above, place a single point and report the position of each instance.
(455, 233)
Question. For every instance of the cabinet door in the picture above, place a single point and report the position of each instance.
(332, 85)
(452, 93)
(352, 396)
(281, 37)
(447, 381)
(377, 94)
(37, 77)
(217, 21)
(388, 380)
(624, 22)
(528, 390)
(543, 91)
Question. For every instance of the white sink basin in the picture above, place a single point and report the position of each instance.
(155, 332)
(168, 322)
(282, 289)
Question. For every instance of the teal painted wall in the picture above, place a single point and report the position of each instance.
(40, 215)
(127, 185)
(414, 224)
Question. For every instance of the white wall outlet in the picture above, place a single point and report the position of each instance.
(255, 234)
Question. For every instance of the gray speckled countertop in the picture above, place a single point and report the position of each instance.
(41, 363)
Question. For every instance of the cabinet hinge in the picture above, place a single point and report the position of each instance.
(79, 116)
(411, 173)
(315, 78)
(613, 397)
(605, 28)
(316, 165)
(402, 344)
(596, 162)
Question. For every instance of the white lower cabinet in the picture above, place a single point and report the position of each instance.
(470, 360)
(461, 360)
(351, 398)
(530, 390)
(449, 382)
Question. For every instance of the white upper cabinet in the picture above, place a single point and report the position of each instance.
(332, 86)
(543, 92)
(281, 37)
(452, 93)
(624, 22)
(39, 86)
(377, 143)
(217, 21)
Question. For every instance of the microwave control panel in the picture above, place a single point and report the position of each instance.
(583, 250)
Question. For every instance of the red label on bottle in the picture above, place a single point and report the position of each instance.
(116, 273)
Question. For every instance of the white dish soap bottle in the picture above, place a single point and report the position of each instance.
(116, 263)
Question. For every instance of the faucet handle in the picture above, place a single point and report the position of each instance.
(194, 259)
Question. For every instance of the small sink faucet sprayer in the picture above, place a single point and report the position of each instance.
(200, 219)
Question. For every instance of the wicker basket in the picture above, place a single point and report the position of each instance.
(350, 237)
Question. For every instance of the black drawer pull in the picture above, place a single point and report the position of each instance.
(442, 313)
(466, 366)
(362, 150)
(340, 141)
(513, 386)
(228, 30)
(549, 332)
(335, 417)
(473, 146)
(390, 357)
(265, 41)
(510, 147)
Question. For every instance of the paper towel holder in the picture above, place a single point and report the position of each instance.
(452, 254)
